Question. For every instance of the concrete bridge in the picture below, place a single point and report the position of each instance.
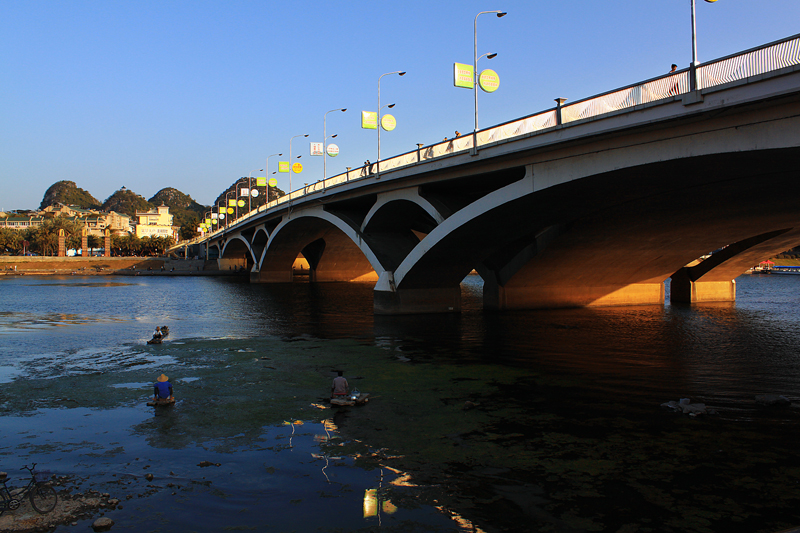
(592, 203)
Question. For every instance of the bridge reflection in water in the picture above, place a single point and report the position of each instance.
(595, 203)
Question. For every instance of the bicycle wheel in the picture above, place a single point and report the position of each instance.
(43, 498)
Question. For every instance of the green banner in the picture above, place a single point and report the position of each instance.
(388, 122)
(261, 182)
(283, 166)
(489, 81)
(369, 120)
(463, 76)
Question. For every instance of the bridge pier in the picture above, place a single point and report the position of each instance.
(388, 300)
(684, 290)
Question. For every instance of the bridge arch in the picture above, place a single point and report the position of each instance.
(334, 249)
(236, 253)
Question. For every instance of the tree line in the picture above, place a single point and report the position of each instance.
(43, 240)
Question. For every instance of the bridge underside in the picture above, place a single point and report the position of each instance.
(614, 238)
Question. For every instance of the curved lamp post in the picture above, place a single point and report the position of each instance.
(378, 163)
(475, 65)
(693, 80)
(325, 146)
(250, 189)
(291, 171)
(266, 174)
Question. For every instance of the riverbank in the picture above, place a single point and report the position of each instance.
(109, 266)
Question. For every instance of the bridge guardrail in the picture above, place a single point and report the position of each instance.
(769, 57)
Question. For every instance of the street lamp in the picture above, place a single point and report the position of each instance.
(266, 174)
(500, 14)
(378, 163)
(291, 170)
(250, 189)
(694, 47)
(325, 146)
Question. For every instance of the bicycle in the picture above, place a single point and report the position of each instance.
(43, 497)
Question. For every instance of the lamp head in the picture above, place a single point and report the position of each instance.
(503, 14)
(491, 56)
(306, 135)
(332, 136)
(401, 73)
(343, 110)
(390, 106)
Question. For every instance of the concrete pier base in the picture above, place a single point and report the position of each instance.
(418, 301)
(498, 297)
(684, 290)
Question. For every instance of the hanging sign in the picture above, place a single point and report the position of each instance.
(200, 229)
(283, 166)
(388, 122)
(214, 221)
(231, 202)
(333, 150)
(240, 203)
(254, 193)
(489, 81)
(273, 182)
(244, 191)
(214, 215)
(230, 210)
(261, 182)
(208, 221)
(463, 76)
(369, 120)
(297, 168)
(316, 148)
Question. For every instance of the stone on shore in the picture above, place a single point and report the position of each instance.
(102, 524)
(772, 399)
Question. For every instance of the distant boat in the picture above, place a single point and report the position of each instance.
(158, 340)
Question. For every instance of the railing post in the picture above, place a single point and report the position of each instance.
(419, 147)
(693, 77)
(559, 105)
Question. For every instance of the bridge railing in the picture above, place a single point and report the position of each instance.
(773, 56)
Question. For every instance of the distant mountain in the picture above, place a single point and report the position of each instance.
(185, 211)
(67, 193)
(177, 201)
(127, 202)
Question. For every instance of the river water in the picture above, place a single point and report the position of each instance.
(516, 421)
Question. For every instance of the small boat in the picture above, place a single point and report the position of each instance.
(156, 339)
(355, 398)
(161, 402)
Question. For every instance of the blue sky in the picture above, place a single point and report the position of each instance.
(195, 94)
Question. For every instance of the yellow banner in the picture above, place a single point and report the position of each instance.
(231, 202)
(297, 168)
(489, 81)
(388, 122)
(283, 166)
(463, 76)
(369, 120)
(261, 182)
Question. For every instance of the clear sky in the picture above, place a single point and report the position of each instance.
(195, 94)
